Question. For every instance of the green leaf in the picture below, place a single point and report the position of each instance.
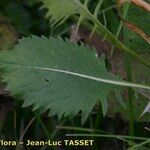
(32, 72)
(57, 75)
(62, 13)
(59, 10)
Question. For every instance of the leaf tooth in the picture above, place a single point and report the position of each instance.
(60, 115)
(36, 106)
(104, 105)
(53, 112)
(61, 39)
(42, 110)
(84, 117)
(119, 98)
(27, 103)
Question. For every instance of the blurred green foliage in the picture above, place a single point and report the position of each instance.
(26, 16)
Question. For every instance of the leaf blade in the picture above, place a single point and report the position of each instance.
(57, 75)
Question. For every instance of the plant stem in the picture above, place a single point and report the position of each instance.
(119, 28)
(130, 96)
(109, 36)
(128, 64)
(108, 136)
(81, 129)
(139, 145)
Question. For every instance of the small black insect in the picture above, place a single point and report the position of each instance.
(46, 80)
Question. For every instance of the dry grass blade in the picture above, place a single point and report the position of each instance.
(140, 3)
(138, 31)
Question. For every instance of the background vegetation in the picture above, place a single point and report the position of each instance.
(113, 23)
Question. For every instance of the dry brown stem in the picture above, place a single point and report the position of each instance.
(140, 3)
